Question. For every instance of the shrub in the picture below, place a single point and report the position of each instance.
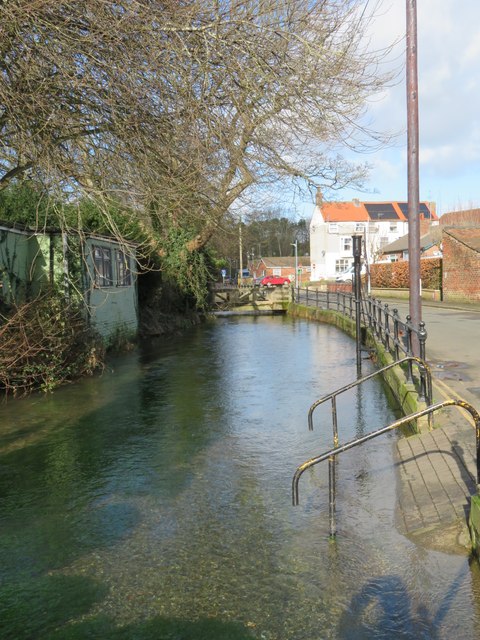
(45, 343)
(395, 275)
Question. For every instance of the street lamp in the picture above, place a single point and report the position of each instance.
(295, 244)
(415, 299)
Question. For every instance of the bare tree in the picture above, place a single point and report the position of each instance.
(177, 109)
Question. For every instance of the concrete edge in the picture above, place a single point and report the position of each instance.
(474, 524)
(403, 391)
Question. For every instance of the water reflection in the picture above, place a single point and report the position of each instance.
(154, 502)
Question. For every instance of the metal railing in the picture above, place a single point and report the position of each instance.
(396, 335)
(423, 368)
(331, 454)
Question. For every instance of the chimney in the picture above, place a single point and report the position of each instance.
(356, 202)
(318, 198)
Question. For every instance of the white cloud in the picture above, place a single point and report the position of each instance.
(449, 99)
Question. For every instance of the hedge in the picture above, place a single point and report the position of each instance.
(395, 275)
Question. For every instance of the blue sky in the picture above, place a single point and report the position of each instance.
(449, 107)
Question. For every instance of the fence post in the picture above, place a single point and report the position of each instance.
(378, 318)
(396, 342)
(422, 338)
(386, 332)
(408, 327)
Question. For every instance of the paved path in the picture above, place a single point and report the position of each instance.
(437, 470)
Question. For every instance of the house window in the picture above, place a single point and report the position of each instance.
(277, 271)
(341, 265)
(124, 275)
(333, 227)
(346, 244)
(359, 227)
(383, 241)
(102, 264)
(393, 227)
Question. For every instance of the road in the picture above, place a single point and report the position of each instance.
(453, 346)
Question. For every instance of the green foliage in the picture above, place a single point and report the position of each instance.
(190, 270)
(28, 203)
(46, 343)
(395, 275)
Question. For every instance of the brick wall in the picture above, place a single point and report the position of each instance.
(461, 269)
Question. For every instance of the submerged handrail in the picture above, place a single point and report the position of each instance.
(332, 453)
(422, 365)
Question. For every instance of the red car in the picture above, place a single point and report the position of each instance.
(274, 281)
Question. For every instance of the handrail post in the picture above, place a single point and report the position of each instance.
(332, 496)
(334, 421)
(331, 454)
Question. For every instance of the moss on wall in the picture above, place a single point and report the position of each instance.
(403, 391)
(474, 524)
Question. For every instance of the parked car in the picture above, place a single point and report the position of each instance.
(274, 281)
(347, 276)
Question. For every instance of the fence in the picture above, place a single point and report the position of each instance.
(385, 325)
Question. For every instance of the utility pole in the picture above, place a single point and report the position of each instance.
(415, 304)
(240, 249)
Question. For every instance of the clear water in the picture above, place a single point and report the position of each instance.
(154, 502)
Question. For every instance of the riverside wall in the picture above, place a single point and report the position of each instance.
(403, 391)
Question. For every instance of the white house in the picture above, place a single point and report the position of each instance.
(334, 223)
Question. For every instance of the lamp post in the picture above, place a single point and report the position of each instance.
(357, 283)
(415, 301)
(295, 245)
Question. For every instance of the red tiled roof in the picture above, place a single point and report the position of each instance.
(357, 212)
(344, 212)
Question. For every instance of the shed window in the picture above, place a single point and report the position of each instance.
(102, 262)
(124, 275)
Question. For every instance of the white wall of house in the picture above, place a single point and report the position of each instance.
(331, 242)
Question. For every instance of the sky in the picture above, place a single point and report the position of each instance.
(448, 33)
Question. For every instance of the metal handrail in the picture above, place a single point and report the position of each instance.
(385, 324)
(422, 365)
(332, 453)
